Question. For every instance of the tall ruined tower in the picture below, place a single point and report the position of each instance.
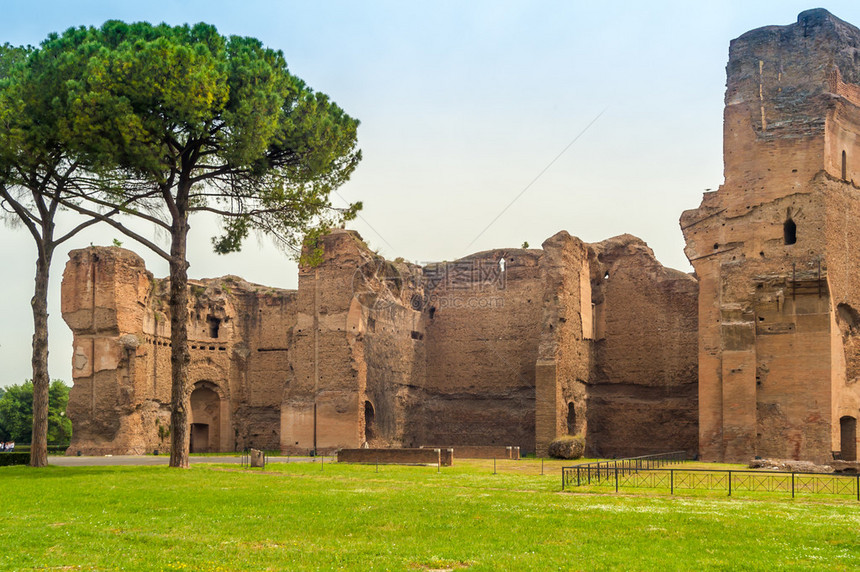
(775, 249)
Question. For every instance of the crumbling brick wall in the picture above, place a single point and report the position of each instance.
(119, 403)
(564, 363)
(769, 246)
(493, 349)
(482, 319)
(642, 398)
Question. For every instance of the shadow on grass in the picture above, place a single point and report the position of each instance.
(55, 472)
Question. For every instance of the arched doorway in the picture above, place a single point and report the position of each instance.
(848, 431)
(205, 419)
(369, 422)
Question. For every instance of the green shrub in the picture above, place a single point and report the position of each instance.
(567, 447)
(7, 459)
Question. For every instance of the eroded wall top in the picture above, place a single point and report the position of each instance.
(791, 92)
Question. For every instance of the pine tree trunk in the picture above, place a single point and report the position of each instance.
(41, 379)
(179, 356)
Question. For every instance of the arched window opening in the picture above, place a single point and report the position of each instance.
(369, 420)
(844, 166)
(848, 438)
(571, 419)
(205, 419)
(789, 232)
(501, 264)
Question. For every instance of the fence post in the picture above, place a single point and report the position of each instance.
(792, 484)
(616, 474)
(730, 483)
(858, 486)
(577, 476)
(541, 465)
(672, 481)
(494, 465)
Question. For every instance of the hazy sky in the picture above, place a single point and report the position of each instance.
(462, 105)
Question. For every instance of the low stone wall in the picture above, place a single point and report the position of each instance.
(481, 451)
(422, 456)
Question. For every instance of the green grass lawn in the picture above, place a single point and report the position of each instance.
(308, 516)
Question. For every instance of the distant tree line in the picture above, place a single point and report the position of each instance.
(16, 413)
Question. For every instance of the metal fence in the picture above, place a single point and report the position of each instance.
(606, 470)
(730, 481)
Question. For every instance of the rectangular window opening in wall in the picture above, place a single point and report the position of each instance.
(844, 166)
(417, 335)
(214, 325)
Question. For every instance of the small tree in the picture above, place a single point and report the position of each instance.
(36, 175)
(196, 122)
(59, 426)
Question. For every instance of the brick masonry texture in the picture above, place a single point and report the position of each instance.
(755, 354)
(504, 348)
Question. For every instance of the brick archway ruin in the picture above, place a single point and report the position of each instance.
(369, 422)
(205, 419)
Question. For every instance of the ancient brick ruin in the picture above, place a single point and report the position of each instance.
(755, 354)
(507, 347)
(775, 249)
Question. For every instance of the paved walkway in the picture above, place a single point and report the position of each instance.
(109, 460)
